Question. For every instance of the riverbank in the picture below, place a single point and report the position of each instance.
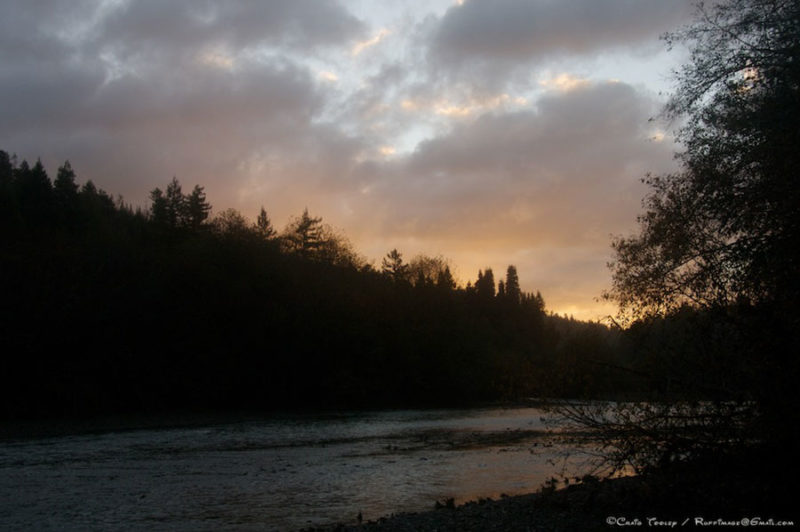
(716, 493)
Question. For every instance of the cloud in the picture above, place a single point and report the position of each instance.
(363, 45)
(146, 89)
(544, 187)
(500, 37)
(187, 24)
(410, 144)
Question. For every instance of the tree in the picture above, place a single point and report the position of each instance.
(65, 191)
(65, 186)
(175, 204)
(444, 279)
(512, 289)
(175, 210)
(34, 191)
(424, 270)
(484, 286)
(718, 242)
(196, 208)
(393, 266)
(230, 222)
(264, 225)
(303, 235)
(158, 207)
(309, 238)
(9, 208)
(725, 228)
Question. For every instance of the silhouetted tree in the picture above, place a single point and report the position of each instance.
(10, 217)
(718, 245)
(512, 289)
(65, 185)
(196, 207)
(175, 205)
(264, 225)
(34, 191)
(158, 207)
(175, 210)
(424, 270)
(393, 266)
(303, 235)
(444, 279)
(484, 286)
(65, 193)
(230, 222)
(6, 169)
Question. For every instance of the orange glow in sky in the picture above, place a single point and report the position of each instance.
(491, 133)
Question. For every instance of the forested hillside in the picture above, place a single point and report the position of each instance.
(107, 309)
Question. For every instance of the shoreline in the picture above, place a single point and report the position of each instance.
(708, 494)
(569, 508)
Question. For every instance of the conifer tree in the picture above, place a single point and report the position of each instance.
(264, 225)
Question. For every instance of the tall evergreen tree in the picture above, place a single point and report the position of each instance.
(484, 286)
(197, 208)
(158, 207)
(445, 279)
(175, 204)
(34, 192)
(393, 267)
(513, 292)
(304, 235)
(9, 208)
(65, 185)
(65, 192)
(264, 225)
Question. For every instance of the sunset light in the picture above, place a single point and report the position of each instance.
(450, 116)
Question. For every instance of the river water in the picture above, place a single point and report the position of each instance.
(278, 473)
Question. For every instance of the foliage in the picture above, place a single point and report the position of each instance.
(264, 225)
(725, 228)
(309, 238)
(424, 270)
(175, 210)
(393, 266)
(106, 309)
(709, 284)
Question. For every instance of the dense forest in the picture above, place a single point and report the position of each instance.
(110, 309)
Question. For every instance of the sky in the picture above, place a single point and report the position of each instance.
(490, 132)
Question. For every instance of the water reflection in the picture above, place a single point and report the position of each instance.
(277, 473)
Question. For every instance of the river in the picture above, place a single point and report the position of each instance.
(277, 473)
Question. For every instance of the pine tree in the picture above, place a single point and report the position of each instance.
(513, 292)
(392, 266)
(264, 225)
(175, 205)
(304, 235)
(197, 208)
(485, 284)
(445, 279)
